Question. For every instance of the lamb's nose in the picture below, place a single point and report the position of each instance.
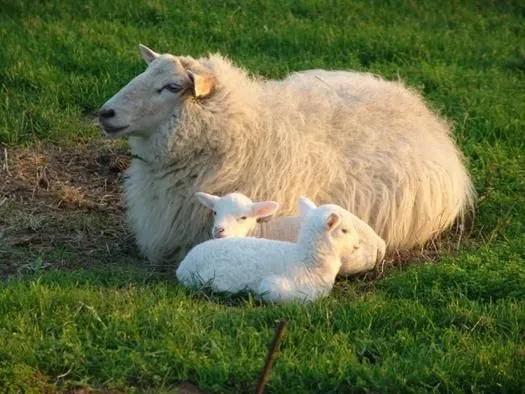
(106, 113)
(219, 231)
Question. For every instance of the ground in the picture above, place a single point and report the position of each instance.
(57, 203)
(81, 310)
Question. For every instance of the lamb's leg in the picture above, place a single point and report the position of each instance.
(277, 289)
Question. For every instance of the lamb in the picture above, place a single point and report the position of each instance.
(367, 144)
(236, 215)
(277, 271)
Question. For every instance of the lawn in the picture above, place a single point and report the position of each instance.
(80, 310)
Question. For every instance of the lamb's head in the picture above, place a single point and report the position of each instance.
(156, 96)
(329, 228)
(235, 215)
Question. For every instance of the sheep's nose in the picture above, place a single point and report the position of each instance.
(219, 231)
(106, 113)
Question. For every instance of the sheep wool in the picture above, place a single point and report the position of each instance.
(367, 144)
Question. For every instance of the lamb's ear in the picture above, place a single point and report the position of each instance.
(332, 220)
(264, 209)
(202, 85)
(147, 53)
(208, 200)
(305, 205)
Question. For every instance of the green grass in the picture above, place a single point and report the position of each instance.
(457, 325)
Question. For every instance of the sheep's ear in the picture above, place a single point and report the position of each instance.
(202, 85)
(208, 200)
(264, 209)
(332, 220)
(305, 205)
(147, 53)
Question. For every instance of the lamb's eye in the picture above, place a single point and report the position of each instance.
(243, 218)
(172, 87)
(344, 230)
(214, 213)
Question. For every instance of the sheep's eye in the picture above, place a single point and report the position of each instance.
(243, 218)
(214, 213)
(172, 87)
(344, 231)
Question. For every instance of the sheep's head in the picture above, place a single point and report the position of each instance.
(235, 215)
(331, 224)
(155, 96)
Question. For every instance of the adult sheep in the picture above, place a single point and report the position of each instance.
(347, 138)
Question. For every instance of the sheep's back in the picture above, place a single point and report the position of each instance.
(370, 145)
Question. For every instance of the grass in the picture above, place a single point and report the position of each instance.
(81, 311)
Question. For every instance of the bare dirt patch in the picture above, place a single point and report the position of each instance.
(61, 206)
(182, 388)
(87, 176)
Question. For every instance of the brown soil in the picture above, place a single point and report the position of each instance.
(182, 388)
(56, 200)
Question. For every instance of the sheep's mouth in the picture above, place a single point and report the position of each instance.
(113, 131)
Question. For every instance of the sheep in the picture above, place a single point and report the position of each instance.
(367, 144)
(277, 271)
(236, 215)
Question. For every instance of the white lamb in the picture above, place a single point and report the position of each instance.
(277, 271)
(369, 145)
(236, 215)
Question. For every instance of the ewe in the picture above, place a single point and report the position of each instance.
(236, 215)
(364, 143)
(277, 271)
